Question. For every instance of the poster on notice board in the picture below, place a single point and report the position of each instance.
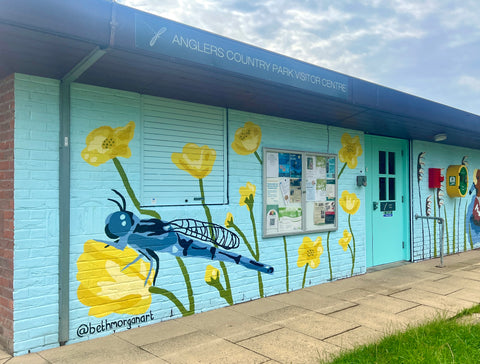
(300, 192)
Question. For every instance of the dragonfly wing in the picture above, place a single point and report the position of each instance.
(206, 231)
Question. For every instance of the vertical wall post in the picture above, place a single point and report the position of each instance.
(64, 192)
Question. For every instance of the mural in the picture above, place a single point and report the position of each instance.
(473, 214)
(247, 141)
(309, 255)
(461, 231)
(350, 203)
(148, 237)
(122, 274)
(348, 155)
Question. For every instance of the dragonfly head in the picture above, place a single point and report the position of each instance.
(119, 224)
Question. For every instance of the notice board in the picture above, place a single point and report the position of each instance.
(299, 192)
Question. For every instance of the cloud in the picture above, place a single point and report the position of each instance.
(470, 82)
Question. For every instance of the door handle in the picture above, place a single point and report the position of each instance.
(375, 206)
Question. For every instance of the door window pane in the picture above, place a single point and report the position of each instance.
(391, 189)
(391, 162)
(382, 188)
(382, 162)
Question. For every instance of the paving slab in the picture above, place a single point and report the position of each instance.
(468, 294)
(258, 307)
(386, 303)
(445, 303)
(313, 301)
(353, 295)
(109, 349)
(229, 324)
(287, 346)
(177, 345)
(359, 336)
(372, 318)
(421, 314)
(201, 347)
(284, 314)
(156, 332)
(4, 354)
(444, 286)
(400, 277)
(33, 358)
(218, 351)
(318, 326)
(469, 274)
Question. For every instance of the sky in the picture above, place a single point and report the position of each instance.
(427, 48)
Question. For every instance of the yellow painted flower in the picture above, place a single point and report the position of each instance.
(105, 143)
(229, 220)
(309, 252)
(196, 160)
(350, 151)
(105, 287)
(349, 202)
(247, 139)
(212, 274)
(343, 242)
(247, 195)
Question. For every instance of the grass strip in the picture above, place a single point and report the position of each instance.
(444, 340)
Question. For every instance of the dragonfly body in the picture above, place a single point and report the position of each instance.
(181, 238)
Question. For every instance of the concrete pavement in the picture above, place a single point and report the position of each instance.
(295, 327)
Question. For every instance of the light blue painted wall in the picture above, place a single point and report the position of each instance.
(37, 206)
(36, 213)
(438, 155)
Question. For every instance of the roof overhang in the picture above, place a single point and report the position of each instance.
(49, 38)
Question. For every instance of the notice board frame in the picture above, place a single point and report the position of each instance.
(300, 192)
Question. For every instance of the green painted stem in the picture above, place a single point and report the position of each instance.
(257, 250)
(465, 229)
(244, 238)
(205, 207)
(286, 259)
(329, 258)
(354, 246)
(353, 257)
(130, 192)
(258, 157)
(228, 289)
(446, 229)
(186, 277)
(304, 275)
(183, 268)
(421, 213)
(454, 230)
(341, 171)
(470, 233)
(171, 297)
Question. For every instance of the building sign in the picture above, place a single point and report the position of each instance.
(163, 36)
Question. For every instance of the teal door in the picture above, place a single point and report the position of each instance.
(387, 200)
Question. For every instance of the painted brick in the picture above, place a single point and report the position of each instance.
(453, 210)
(36, 202)
(36, 206)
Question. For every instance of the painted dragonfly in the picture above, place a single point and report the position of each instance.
(180, 237)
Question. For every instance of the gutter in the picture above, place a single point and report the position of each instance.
(64, 178)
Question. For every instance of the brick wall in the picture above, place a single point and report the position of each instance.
(7, 120)
(460, 233)
(35, 284)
